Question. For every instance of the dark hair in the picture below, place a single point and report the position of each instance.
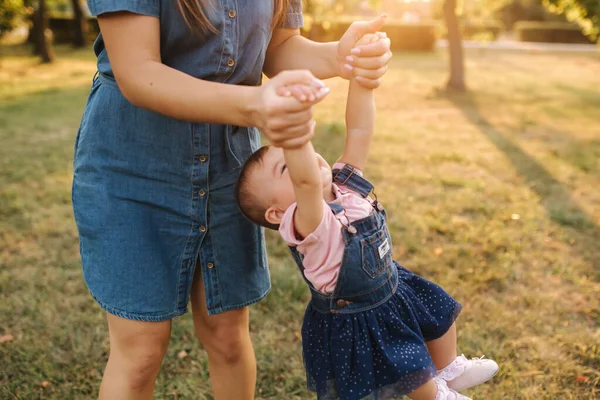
(248, 201)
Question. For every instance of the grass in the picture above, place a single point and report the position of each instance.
(494, 194)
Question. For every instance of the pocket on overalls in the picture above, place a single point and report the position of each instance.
(376, 253)
(242, 142)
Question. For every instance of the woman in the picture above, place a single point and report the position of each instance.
(166, 127)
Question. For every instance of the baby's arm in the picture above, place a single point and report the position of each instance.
(305, 175)
(360, 120)
(304, 170)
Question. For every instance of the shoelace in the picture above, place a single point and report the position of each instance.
(478, 359)
(457, 367)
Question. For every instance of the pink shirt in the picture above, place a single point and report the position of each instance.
(323, 249)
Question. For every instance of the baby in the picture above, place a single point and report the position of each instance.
(373, 329)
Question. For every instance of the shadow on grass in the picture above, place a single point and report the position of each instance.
(556, 199)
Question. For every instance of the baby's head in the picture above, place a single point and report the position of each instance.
(264, 189)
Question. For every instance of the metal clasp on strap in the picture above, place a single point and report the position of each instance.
(376, 202)
(349, 167)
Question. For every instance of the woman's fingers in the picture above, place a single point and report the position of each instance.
(368, 83)
(290, 120)
(294, 141)
(299, 139)
(369, 62)
(286, 115)
(370, 74)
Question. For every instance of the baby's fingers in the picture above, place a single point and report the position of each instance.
(302, 93)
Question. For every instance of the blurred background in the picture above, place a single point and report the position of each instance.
(486, 156)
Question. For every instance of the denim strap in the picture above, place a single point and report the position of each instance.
(335, 208)
(348, 177)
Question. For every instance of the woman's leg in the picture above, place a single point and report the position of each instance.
(226, 338)
(136, 352)
(443, 349)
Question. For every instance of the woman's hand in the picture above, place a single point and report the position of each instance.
(366, 63)
(285, 121)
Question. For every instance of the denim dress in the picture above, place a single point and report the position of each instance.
(152, 194)
(366, 340)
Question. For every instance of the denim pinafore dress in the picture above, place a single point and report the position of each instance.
(366, 340)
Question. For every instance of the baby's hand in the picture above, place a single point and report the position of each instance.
(370, 38)
(303, 92)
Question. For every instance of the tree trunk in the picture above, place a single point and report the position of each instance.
(455, 48)
(33, 34)
(42, 43)
(80, 25)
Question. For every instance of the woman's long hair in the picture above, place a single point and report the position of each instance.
(196, 12)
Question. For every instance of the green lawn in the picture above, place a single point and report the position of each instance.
(495, 195)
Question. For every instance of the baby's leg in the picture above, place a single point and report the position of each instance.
(443, 349)
(427, 391)
(436, 389)
(459, 372)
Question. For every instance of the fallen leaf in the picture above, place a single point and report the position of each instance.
(45, 384)
(182, 354)
(438, 251)
(583, 379)
(298, 336)
(6, 338)
(515, 216)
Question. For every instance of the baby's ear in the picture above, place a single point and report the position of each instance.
(273, 215)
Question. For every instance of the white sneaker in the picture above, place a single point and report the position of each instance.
(445, 393)
(463, 374)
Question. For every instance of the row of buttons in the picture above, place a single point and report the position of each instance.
(202, 192)
(232, 14)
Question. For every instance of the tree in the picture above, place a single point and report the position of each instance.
(455, 48)
(585, 12)
(43, 47)
(10, 14)
(80, 25)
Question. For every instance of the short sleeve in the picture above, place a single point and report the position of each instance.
(144, 7)
(323, 249)
(293, 17)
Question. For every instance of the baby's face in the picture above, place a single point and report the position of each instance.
(272, 178)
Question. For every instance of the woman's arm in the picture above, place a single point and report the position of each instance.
(133, 45)
(288, 50)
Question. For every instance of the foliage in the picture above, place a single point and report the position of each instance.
(585, 12)
(328, 8)
(477, 29)
(477, 10)
(549, 32)
(404, 36)
(11, 12)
